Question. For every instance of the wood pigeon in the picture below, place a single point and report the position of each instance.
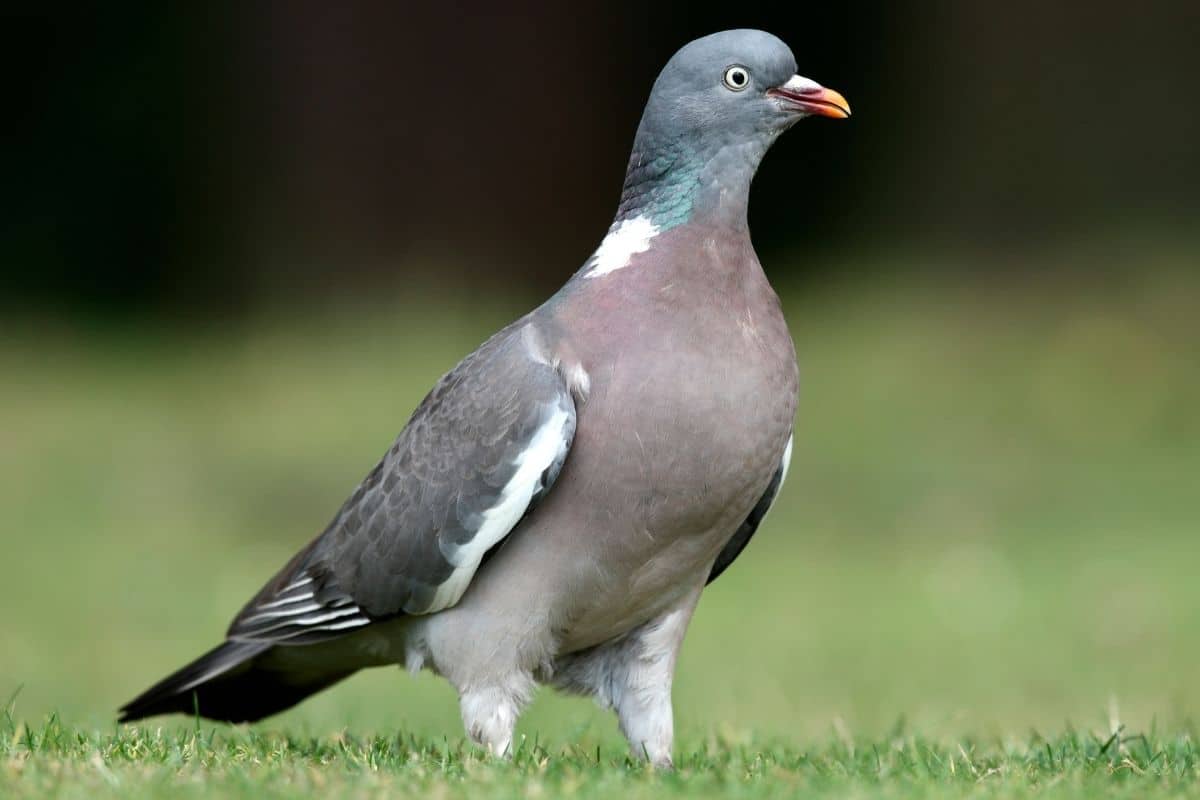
(554, 507)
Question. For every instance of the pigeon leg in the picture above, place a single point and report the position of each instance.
(642, 695)
(648, 721)
(490, 714)
(633, 676)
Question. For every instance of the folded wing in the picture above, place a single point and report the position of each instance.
(474, 458)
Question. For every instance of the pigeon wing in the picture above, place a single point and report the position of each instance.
(483, 446)
(737, 543)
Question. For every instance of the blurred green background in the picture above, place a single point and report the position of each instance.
(242, 242)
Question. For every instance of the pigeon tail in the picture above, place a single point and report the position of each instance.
(237, 681)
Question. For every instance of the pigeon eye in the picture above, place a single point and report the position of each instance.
(736, 78)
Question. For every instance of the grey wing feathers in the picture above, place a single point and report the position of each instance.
(307, 609)
(475, 456)
(737, 543)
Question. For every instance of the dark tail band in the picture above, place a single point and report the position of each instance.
(234, 682)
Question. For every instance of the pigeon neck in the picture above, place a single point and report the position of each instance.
(679, 183)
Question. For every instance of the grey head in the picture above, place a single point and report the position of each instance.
(717, 106)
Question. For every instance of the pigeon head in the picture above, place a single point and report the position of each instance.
(717, 106)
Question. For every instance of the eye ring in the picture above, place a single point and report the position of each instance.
(736, 78)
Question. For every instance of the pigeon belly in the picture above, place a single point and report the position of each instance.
(692, 399)
(691, 392)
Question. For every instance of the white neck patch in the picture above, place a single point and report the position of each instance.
(630, 237)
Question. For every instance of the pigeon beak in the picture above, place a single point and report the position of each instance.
(810, 97)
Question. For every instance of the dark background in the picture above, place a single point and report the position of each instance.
(211, 158)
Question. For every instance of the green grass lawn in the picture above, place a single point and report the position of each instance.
(989, 532)
(51, 759)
